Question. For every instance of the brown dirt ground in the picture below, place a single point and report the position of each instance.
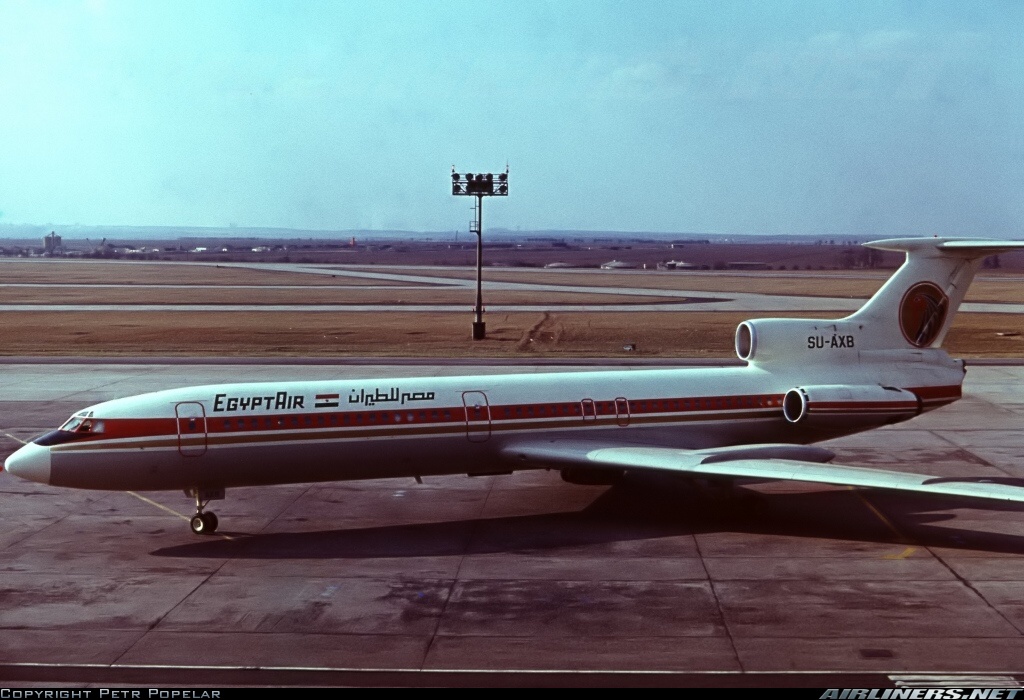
(990, 287)
(655, 334)
(264, 333)
(122, 272)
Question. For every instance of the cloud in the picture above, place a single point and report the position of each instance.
(882, 64)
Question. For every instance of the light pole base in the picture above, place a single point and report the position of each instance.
(479, 330)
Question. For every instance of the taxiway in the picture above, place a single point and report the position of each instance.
(519, 579)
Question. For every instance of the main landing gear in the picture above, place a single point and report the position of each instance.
(204, 522)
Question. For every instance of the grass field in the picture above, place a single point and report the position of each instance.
(654, 334)
(407, 334)
(86, 272)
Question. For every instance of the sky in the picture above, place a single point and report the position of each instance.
(867, 118)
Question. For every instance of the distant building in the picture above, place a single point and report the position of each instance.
(52, 243)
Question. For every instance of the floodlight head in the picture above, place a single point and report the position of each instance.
(479, 184)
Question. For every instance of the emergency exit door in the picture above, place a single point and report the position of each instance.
(478, 416)
(191, 418)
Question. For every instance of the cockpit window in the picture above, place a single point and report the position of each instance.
(72, 424)
(78, 427)
(82, 423)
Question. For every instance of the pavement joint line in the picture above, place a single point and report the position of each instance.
(718, 605)
(474, 529)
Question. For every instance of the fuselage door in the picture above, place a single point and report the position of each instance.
(191, 428)
(622, 411)
(589, 410)
(478, 416)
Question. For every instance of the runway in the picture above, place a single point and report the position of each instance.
(513, 580)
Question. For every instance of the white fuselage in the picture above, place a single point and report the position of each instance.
(247, 434)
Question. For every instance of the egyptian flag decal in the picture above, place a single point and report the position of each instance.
(327, 400)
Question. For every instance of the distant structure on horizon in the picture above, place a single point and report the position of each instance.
(52, 243)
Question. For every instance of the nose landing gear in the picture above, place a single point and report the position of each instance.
(204, 522)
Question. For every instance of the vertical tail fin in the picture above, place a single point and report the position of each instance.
(916, 306)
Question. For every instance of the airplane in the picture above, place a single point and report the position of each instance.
(805, 380)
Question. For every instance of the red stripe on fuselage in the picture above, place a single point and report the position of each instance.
(586, 410)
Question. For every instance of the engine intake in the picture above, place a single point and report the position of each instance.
(794, 339)
(842, 405)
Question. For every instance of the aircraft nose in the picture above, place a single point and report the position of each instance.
(31, 462)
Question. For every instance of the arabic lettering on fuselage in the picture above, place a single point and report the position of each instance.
(286, 401)
(393, 395)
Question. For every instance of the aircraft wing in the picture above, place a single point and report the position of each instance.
(762, 462)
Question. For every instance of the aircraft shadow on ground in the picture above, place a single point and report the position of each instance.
(640, 509)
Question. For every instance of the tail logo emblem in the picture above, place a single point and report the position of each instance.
(922, 313)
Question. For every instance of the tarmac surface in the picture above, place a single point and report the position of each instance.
(515, 580)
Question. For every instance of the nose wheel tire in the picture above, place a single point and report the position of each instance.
(204, 523)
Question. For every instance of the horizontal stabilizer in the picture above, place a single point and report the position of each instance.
(968, 247)
(915, 308)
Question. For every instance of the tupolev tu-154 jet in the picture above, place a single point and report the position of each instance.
(805, 380)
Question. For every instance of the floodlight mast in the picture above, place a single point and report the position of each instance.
(479, 185)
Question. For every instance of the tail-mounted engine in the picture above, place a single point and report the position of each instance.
(799, 340)
(848, 406)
